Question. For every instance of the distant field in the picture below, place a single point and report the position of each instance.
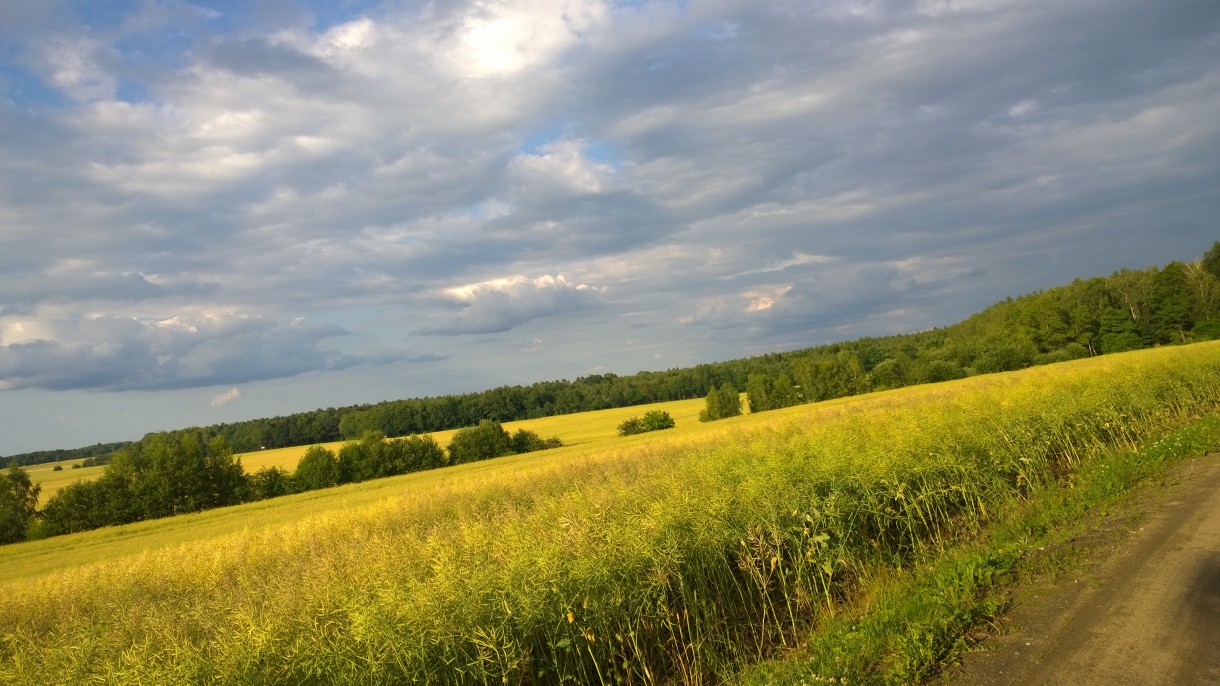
(673, 557)
(582, 433)
(583, 429)
(51, 481)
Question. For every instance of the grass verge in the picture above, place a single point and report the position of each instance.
(906, 625)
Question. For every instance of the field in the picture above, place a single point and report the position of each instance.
(584, 429)
(676, 557)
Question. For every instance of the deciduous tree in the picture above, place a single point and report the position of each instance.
(18, 503)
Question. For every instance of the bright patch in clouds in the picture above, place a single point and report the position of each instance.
(226, 397)
(502, 38)
(502, 304)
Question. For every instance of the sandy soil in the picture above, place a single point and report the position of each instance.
(1143, 608)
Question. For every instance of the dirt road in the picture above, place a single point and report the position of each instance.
(1142, 610)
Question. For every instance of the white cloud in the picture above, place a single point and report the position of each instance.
(503, 38)
(562, 163)
(502, 304)
(1023, 108)
(226, 397)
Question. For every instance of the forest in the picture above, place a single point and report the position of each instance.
(1128, 310)
(170, 473)
(194, 469)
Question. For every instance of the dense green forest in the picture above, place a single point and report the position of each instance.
(99, 452)
(1130, 309)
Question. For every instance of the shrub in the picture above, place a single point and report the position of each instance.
(631, 426)
(657, 420)
(482, 442)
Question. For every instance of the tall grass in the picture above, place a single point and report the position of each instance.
(675, 560)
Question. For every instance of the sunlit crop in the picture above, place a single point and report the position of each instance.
(670, 558)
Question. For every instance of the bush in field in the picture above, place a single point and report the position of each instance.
(655, 420)
(183, 473)
(374, 457)
(159, 476)
(482, 442)
(525, 441)
(767, 393)
(631, 426)
(87, 505)
(489, 439)
(270, 482)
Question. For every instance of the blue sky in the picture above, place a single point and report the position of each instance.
(217, 211)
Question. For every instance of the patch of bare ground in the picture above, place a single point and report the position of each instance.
(1135, 598)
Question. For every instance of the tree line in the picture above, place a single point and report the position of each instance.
(166, 474)
(1129, 309)
(194, 469)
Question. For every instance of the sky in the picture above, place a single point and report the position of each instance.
(219, 210)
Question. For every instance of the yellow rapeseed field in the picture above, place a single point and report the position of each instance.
(668, 558)
(581, 429)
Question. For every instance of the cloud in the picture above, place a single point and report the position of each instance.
(257, 57)
(72, 281)
(226, 397)
(113, 353)
(733, 176)
(503, 304)
(503, 38)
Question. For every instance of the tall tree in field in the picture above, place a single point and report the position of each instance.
(722, 402)
(181, 473)
(370, 458)
(18, 503)
(318, 468)
(421, 452)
